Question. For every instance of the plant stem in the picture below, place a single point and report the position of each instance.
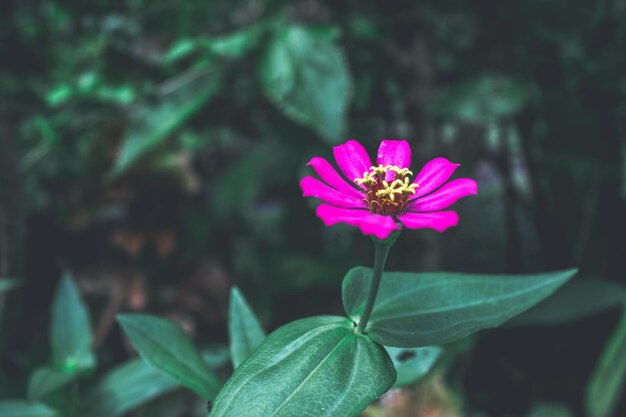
(380, 256)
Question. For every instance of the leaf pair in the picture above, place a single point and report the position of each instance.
(321, 367)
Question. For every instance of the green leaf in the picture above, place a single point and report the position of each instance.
(312, 367)
(164, 345)
(180, 49)
(306, 76)
(237, 44)
(604, 390)
(7, 284)
(414, 310)
(46, 380)
(245, 331)
(572, 302)
(413, 363)
(70, 330)
(18, 408)
(151, 125)
(124, 388)
(549, 410)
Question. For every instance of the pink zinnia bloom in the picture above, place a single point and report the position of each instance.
(376, 197)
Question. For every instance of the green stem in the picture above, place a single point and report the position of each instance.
(380, 256)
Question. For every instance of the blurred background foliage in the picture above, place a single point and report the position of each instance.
(154, 148)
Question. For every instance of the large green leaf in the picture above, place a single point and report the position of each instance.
(605, 387)
(164, 345)
(151, 125)
(572, 302)
(312, 367)
(124, 388)
(245, 331)
(414, 310)
(306, 76)
(47, 380)
(413, 363)
(18, 408)
(70, 330)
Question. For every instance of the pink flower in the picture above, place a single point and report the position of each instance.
(376, 197)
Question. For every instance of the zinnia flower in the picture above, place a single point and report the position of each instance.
(376, 197)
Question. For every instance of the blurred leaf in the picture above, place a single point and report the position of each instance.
(482, 100)
(8, 284)
(237, 44)
(245, 331)
(413, 363)
(549, 410)
(18, 408)
(46, 380)
(59, 94)
(604, 389)
(164, 345)
(232, 45)
(309, 366)
(180, 49)
(306, 76)
(572, 302)
(124, 388)
(70, 329)
(423, 309)
(151, 125)
(216, 356)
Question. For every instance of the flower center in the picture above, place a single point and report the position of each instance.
(384, 197)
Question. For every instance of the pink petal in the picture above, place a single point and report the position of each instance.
(378, 225)
(315, 188)
(444, 196)
(439, 220)
(352, 159)
(394, 152)
(332, 215)
(433, 175)
(327, 173)
(370, 224)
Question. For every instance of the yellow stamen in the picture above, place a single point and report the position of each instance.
(382, 196)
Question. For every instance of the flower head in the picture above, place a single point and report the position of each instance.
(381, 198)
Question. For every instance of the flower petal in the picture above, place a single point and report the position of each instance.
(328, 174)
(394, 152)
(352, 159)
(438, 220)
(332, 215)
(444, 196)
(370, 224)
(433, 175)
(378, 225)
(312, 187)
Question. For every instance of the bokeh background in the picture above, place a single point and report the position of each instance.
(154, 149)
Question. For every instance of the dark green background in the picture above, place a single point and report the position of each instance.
(154, 148)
